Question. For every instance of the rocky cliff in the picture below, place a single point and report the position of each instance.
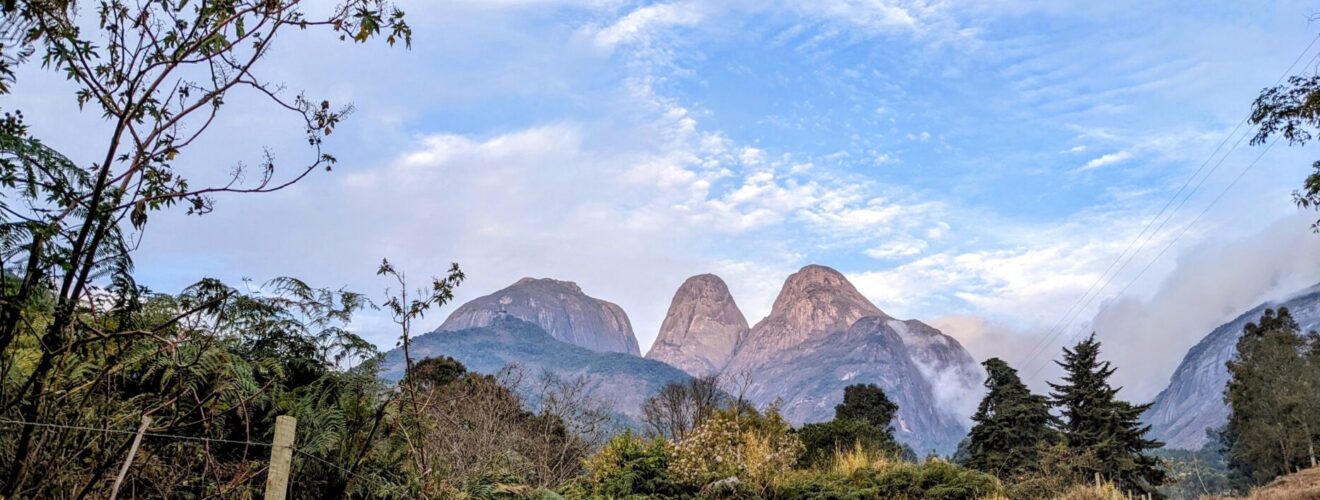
(1194, 399)
(558, 307)
(823, 335)
(701, 329)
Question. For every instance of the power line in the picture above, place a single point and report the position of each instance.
(1083, 301)
(125, 431)
(1189, 225)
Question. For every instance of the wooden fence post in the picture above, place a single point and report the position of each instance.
(132, 450)
(281, 453)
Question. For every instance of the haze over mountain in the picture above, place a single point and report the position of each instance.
(619, 379)
(823, 335)
(559, 307)
(1194, 398)
(702, 328)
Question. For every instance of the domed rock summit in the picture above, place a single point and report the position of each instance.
(702, 328)
(558, 307)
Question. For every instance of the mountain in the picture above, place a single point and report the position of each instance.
(1194, 399)
(558, 307)
(621, 380)
(701, 329)
(823, 335)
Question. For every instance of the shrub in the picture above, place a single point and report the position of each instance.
(934, 479)
(628, 466)
(737, 443)
(823, 441)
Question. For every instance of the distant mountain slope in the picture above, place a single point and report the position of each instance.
(1194, 399)
(822, 335)
(558, 307)
(621, 380)
(702, 328)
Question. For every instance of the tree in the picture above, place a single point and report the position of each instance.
(867, 403)
(1293, 110)
(679, 407)
(1273, 396)
(862, 420)
(406, 306)
(1010, 426)
(159, 72)
(1095, 421)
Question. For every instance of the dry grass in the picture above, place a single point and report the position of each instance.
(848, 461)
(1100, 491)
(1304, 485)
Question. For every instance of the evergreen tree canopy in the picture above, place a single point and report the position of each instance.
(868, 403)
(1274, 398)
(1010, 426)
(1096, 421)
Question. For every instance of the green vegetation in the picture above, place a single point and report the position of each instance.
(1097, 423)
(1010, 427)
(1274, 396)
(86, 353)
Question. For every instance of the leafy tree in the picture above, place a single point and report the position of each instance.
(1095, 421)
(1274, 397)
(823, 440)
(867, 403)
(1010, 426)
(1293, 110)
(438, 371)
(862, 421)
(159, 72)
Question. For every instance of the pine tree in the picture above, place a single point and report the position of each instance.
(1096, 421)
(1011, 425)
(1274, 400)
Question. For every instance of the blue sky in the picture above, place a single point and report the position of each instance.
(974, 164)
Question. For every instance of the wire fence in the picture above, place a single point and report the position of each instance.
(208, 484)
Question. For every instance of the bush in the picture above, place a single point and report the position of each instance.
(823, 441)
(935, 479)
(627, 466)
(737, 443)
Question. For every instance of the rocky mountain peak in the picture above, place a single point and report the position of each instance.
(819, 299)
(558, 307)
(567, 286)
(702, 328)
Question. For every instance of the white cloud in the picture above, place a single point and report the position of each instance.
(644, 21)
(1104, 160)
(886, 159)
(896, 249)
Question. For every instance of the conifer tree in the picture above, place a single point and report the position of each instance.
(1096, 421)
(1011, 425)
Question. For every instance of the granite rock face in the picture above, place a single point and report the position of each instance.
(558, 307)
(1194, 398)
(814, 301)
(702, 328)
(823, 335)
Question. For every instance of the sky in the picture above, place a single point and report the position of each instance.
(982, 166)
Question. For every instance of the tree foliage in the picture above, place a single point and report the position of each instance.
(1292, 110)
(1010, 425)
(867, 403)
(1095, 421)
(1274, 397)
